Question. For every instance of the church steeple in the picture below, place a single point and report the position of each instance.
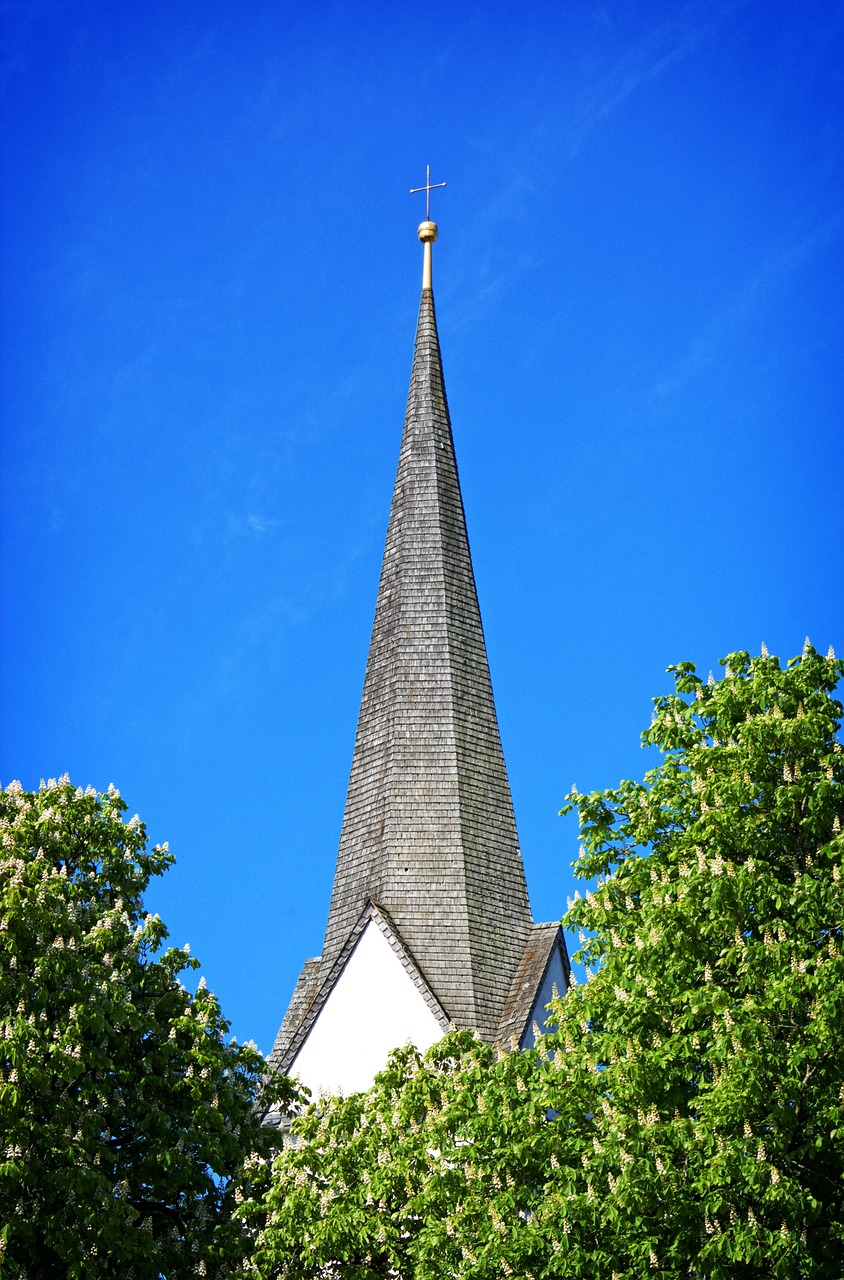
(429, 831)
(429, 837)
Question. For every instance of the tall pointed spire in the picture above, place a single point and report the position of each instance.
(429, 836)
(429, 831)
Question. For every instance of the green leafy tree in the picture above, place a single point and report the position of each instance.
(125, 1116)
(709, 1035)
(685, 1116)
(425, 1175)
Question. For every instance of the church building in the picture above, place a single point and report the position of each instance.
(429, 923)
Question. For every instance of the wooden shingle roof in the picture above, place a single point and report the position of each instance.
(429, 832)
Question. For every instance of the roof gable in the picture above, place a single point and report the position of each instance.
(376, 1000)
(544, 966)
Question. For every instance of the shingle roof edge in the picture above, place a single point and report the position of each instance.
(306, 987)
(528, 979)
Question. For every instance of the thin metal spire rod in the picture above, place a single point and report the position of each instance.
(428, 188)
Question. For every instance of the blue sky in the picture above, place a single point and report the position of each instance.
(209, 293)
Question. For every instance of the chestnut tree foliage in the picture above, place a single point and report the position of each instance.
(684, 1115)
(125, 1115)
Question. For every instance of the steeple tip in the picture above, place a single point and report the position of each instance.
(427, 230)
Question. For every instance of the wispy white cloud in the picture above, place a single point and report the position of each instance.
(261, 524)
(659, 48)
(733, 318)
(623, 70)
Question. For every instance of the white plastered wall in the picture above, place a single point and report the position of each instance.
(374, 1007)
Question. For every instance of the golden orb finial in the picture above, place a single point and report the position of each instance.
(427, 230)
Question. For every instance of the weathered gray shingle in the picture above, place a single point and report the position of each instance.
(428, 832)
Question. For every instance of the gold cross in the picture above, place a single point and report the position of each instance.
(428, 188)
